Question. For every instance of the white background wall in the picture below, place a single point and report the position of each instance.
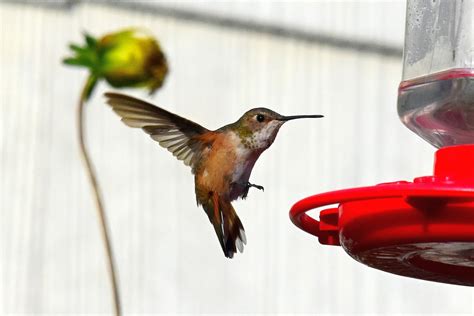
(167, 253)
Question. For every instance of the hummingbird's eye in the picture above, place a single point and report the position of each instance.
(260, 117)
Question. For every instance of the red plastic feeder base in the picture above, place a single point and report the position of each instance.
(422, 229)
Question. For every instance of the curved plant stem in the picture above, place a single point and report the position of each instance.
(89, 85)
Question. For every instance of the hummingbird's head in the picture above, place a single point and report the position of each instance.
(258, 127)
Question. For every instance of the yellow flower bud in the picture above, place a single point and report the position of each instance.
(128, 58)
(132, 58)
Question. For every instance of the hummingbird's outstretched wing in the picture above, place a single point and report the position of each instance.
(228, 227)
(173, 132)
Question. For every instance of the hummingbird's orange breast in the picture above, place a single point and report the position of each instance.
(217, 164)
(222, 163)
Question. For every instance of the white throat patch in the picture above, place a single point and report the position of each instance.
(266, 135)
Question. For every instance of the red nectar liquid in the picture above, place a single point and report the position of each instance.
(440, 107)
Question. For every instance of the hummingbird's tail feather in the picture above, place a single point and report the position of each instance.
(228, 227)
(234, 232)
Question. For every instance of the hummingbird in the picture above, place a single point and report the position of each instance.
(221, 160)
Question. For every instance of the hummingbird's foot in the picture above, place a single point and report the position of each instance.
(249, 185)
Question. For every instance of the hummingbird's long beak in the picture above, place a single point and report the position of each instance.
(294, 117)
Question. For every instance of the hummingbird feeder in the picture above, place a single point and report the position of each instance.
(422, 229)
